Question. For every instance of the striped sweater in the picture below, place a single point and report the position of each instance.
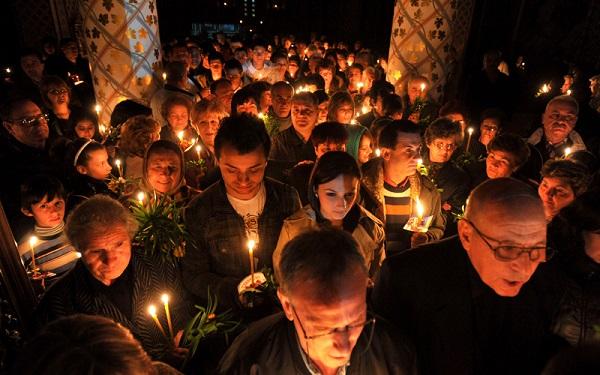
(52, 250)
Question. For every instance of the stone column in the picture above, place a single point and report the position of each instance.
(123, 46)
(428, 38)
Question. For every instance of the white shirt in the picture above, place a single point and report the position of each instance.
(250, 210)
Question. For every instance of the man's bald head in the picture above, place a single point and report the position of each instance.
(503, 196)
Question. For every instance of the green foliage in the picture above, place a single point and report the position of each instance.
(206, 323)
(161, 230)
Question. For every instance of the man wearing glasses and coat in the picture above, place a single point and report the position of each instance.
(474, 303)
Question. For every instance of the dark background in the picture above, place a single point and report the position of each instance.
(550, 33)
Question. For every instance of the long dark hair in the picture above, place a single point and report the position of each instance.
(329, 166)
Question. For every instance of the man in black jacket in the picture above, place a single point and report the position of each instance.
(468, 301)
(325, 327)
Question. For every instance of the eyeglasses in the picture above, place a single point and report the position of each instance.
(506, 253)
(558, 117)
(368, 323)
(58, 91)
(445, 146)
(31, 120)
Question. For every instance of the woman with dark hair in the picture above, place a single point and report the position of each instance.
(575, 233)
(333, 195)
(56, 97)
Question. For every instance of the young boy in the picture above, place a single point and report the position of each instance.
(43, 199)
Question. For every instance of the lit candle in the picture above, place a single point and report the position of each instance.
(545, 88)
(261, 115)
(180, 135)
(118, 163)
(567, 152)
(360, 85)
(32, 242)
(97, 109)
(198, 151)
(353, 122)
(164, 76)
(102, 129)
(419, 162)
(470, 131)
(152, 312)
(423, 86)
(377, 152)
(420, 210)
(140, 197)
(349, 62)
(78, 254)
(569, 92)
(364, 109)
(8, 70)
(165, 300)
(251, 244)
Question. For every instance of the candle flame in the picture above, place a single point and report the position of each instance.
(33, 241)
(261, 115)
(102, 129)
(78, 254)
(420, 209)
(198, 148)
(360, 85)
(470, 130)
(164, 298)
(141, 196)
(423, 86)
(569, 92)
(8, 70)
(164, 76)
(97, 108)
(152, 310)
(419, 162)
(377, 152)
(545, 88)
(118, 162)
(567, 151)
(251, 245)
(364, 109)
(180, 135)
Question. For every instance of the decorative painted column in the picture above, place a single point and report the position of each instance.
(123, 46)
(428, 38)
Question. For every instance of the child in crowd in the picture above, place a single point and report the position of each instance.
(90, 169)
(43, 199)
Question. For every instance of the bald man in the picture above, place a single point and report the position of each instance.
(471, 302)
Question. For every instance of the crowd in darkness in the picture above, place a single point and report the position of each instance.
(398, 234)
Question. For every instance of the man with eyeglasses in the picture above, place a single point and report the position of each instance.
(472, 303)
(23, 153)
(325, 327)
(442, 138)
(393, 186)
(557, 133)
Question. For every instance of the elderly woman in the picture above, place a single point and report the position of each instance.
(333, 194)
(113, 280)
(164, 172)
(206, 117)
(562, 182)
(137, 134)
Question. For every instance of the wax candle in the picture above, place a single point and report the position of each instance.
(32, 242)
(251, 244)
(152, 312)
(470, 131)
(119, 168)
(165, 300)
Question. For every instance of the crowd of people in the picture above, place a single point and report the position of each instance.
(348, 225)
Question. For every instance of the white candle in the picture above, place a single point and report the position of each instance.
(198, 151)
(251, 244)
(470, 131)
(118, 164)
(165, 300)
(32, 242)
